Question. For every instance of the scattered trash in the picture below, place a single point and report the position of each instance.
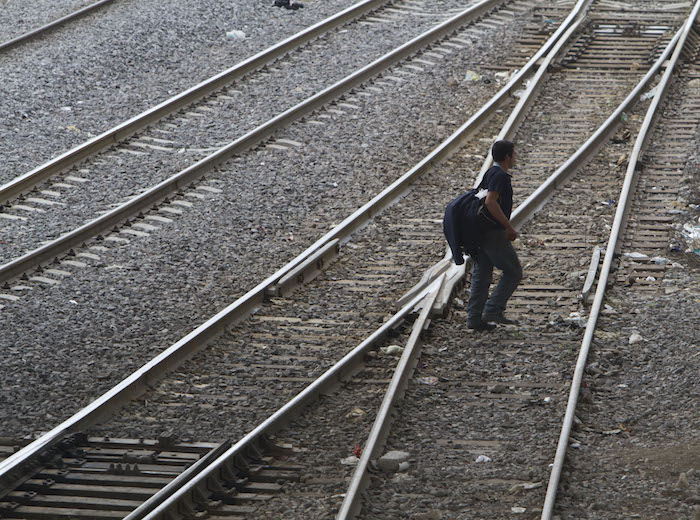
(635, 338)
(357, 451)
(66, 109)
(356, 413)
(442, 349)
(288, 4)
(611, 202)
(393, 461)
(235, 35)
(650, 279)
(452, 82)
(350, 461)
(635, 66)
(660, 260)
(472, 76)
(519, 93)
(694, 83)
(73, 302)
(525, 486)
(575, 445)
(391, 350)
(429, 380)
(575, 318)
(75, 129)
(516, 509)
(483, 458)
(612, 432)
(648, 95)
(636, 256)
(623, 117)
(691, 232)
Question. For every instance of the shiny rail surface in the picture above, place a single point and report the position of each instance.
(196, 494)
(40, 31)
(157, 194)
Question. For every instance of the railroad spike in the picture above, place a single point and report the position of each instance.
(71, 253)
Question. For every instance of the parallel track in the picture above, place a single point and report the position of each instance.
(45, 29)
(121, 214)
(287, 330)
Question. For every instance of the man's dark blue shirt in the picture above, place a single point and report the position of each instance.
(496, 179)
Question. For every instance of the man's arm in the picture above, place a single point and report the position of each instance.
(494, 208)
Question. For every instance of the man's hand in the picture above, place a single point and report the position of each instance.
(511, 233)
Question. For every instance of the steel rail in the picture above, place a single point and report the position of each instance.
(138, 382)
(56, 23)
(352, 504)
(72, 157)
(615, 233)
(528, 98)
(156, 194)
(343, 369)
(581, 157)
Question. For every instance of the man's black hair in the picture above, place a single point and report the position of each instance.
(501, 149)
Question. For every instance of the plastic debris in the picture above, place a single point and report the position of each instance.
(691, 232)
(660, 260)
(650, 279)
(393, 461)
(429, 380)
(623, 117)
(235, 35)
(635, 338)
(636, 256)
(648, 95)
(483, 458)
(577, 319)
(356, 413)
(472, 76)
(350, 461)
(357, 451)
(516, 509)
(391, 350)
(612, 432)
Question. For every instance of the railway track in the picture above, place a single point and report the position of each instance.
(285, 330)
(61, 208)
(203, 120)
(46, 28)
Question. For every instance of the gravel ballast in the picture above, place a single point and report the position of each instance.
(58, 91)
(109, 318)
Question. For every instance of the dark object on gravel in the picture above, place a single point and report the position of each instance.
(288, 4)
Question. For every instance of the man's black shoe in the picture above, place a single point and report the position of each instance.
(500, 319)
(480, 325)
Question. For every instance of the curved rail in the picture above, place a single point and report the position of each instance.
(145, 200)
(61, 163)
(618, 224)
(134, 385)
(23, 38)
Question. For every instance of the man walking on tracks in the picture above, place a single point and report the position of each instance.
(497, 235)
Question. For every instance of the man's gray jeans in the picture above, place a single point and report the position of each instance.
(496, 250)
